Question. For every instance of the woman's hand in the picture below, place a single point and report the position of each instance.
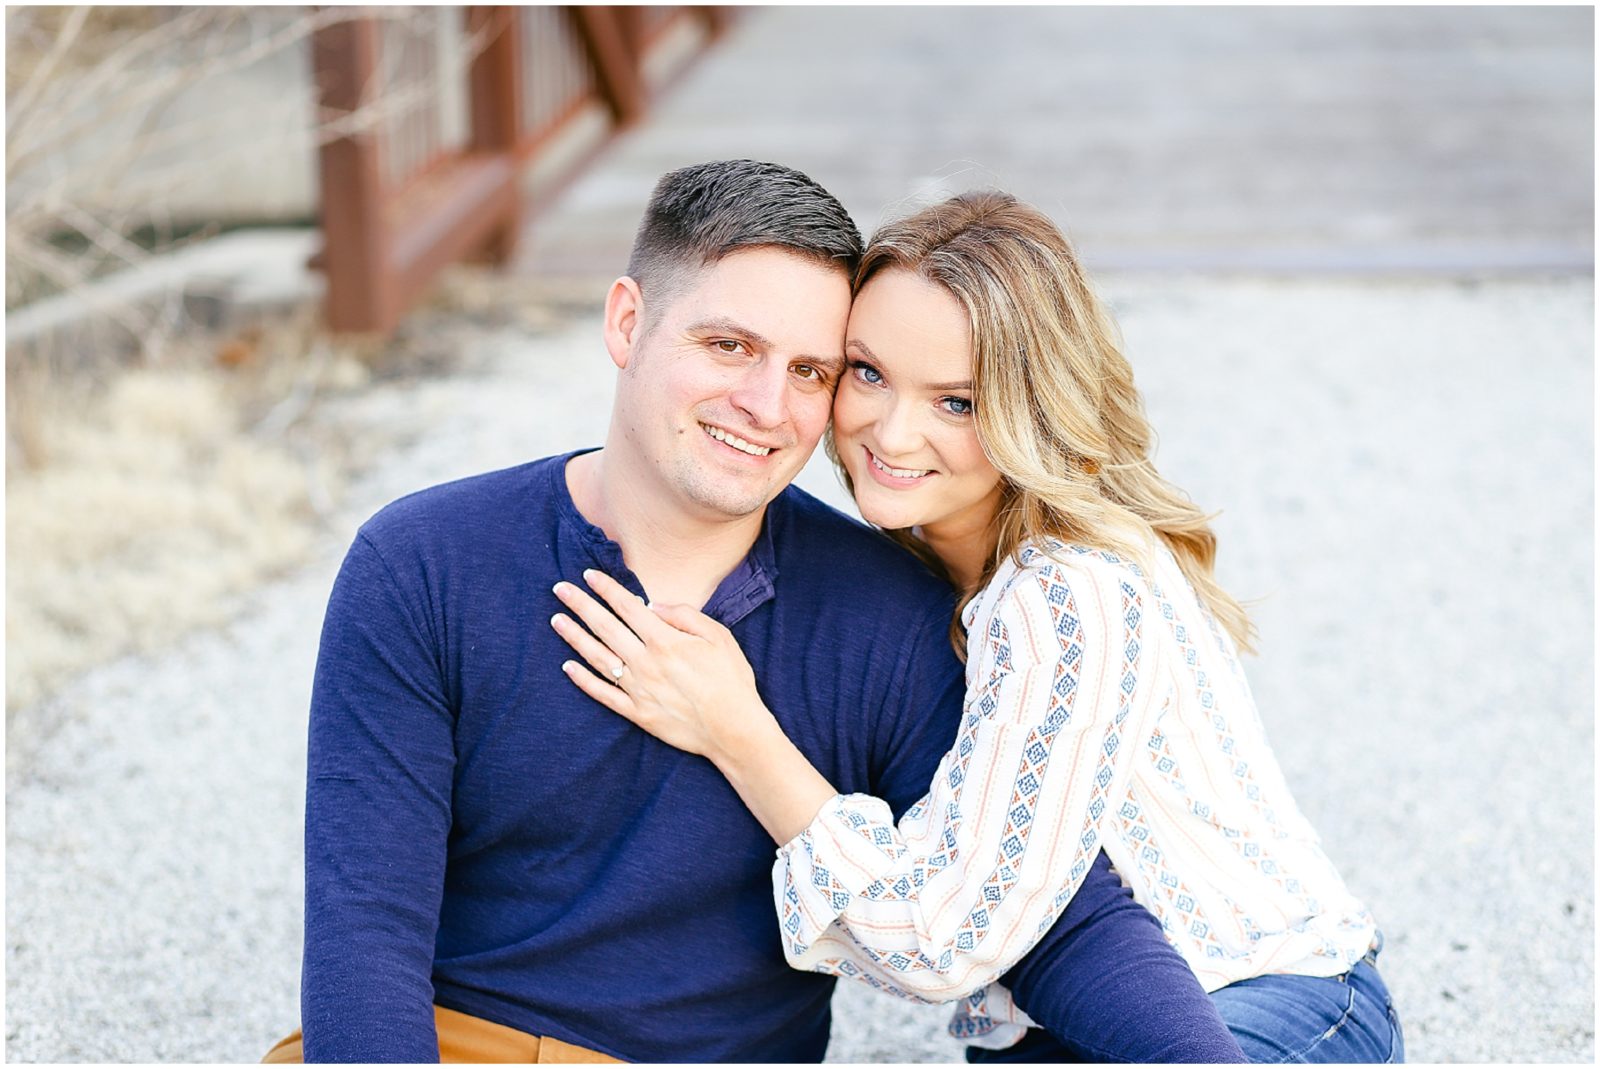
(670, 669)
(680, 675)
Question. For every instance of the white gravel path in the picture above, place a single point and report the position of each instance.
(1407, 477)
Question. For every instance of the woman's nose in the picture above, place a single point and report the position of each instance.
(898, 430)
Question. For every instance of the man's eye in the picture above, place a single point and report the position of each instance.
(728, 345)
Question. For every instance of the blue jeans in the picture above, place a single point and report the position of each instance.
(1347, 1018)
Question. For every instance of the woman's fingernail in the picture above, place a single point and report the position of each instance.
(567, 667)
(559, 589)
(589, 574)
(557, 620)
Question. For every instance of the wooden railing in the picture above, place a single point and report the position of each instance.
(435, 117)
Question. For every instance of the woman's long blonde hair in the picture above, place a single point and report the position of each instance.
(1056, 409)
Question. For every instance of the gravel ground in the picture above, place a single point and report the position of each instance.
(1407, 477)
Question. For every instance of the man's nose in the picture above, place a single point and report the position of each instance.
(762, 393)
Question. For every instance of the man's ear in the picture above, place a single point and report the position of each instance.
(624, 322)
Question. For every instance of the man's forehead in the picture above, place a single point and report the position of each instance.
(760, 286)
(769, 259)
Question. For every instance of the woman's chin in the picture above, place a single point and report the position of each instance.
(880, 507)
(888, 519)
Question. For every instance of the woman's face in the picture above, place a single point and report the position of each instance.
(902, 418)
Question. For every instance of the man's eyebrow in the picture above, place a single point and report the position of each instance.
(833, 363)
(724, 325)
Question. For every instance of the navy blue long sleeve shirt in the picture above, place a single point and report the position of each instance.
(481, 835)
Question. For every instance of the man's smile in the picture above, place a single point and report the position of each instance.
(730, 439)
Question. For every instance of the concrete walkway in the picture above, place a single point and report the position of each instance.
(1282, 139)
(1404, 464)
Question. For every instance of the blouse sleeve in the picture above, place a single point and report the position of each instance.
(1064, 683)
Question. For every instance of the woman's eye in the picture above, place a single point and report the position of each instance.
(957, 406)
(866, 373)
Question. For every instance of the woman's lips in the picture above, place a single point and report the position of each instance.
(885, 473)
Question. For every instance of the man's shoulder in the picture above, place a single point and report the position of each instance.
(468, 507)
(824, 546)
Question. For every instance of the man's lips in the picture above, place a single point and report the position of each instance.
(734, 441)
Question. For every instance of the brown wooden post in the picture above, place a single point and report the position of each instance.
(495, 90)
(355, 244)
(616, 66)
(385, 237)
(717, 19)
(631, 28)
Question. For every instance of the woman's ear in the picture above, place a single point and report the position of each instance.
(624, 320)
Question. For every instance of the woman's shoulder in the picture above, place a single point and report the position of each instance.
(1054, 556)
(1055, 567)
(1067, 585)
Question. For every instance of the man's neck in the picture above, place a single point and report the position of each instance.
(679, 558)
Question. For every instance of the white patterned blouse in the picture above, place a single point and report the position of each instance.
(1105, 708)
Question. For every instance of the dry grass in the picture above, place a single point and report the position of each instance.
(154, 498)
(151, 496)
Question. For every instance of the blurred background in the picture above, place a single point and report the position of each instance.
(267, 269)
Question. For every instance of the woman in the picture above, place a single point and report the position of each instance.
(989, 422)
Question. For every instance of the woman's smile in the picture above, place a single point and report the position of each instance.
(897, 478)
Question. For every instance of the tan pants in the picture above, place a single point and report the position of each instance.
(471, 1039)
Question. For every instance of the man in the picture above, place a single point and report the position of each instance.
(495, 864)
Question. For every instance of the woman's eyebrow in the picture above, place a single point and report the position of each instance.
(931, 387)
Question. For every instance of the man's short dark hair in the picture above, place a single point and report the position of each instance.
(699, 214)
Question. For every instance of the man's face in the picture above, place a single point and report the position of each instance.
(727, 390)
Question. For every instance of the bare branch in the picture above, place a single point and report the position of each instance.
(100, 86)
(92, 85)
(104, 237)
(40, 76)
(69, 276)
(96, 93)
